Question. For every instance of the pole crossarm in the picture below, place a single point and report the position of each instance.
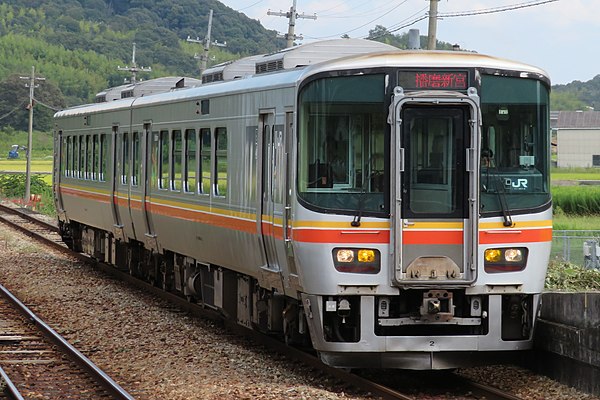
(292, 15)
(134, 69)
(205, 44)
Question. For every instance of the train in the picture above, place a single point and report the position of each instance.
(390, 208)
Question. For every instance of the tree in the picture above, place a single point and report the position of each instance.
(566, 101)
(14, 102)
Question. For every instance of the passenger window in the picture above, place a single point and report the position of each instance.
(205, 151)
(221, 162)
(95, 157)
(135, 175)
(103, 156)
(88, 157)
(164, 160)
(176, 165)
(125, 158)
(81, 166)
(66, 156)
(190, 161)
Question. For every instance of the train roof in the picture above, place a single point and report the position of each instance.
(145, 88)
(230, 70)
(293, 57)
(436, 59)
(292, 77)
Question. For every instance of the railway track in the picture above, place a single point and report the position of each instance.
(36, 361)
(465, 389)
(39, 363)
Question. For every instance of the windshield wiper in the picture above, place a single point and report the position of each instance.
(500, 190)
(503, 205)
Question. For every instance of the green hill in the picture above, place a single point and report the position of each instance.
(76, 45)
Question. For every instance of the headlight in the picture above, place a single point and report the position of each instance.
(345, 255)
(493, 255)
(505, 260)
(513, 255)
(365, 255)
(364, 261)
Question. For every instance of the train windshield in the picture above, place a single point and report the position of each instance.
(514, 145)
(341, 143)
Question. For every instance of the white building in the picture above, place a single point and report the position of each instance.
(578, 138)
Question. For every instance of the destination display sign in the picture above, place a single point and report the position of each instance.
(433, 80)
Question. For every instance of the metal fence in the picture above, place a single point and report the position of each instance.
(577, 247)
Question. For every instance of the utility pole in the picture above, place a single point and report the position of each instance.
(205, 44)
(134, 69)
(292, 15)
(431, 36)
(31, 85)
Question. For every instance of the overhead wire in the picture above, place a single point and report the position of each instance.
(13, 110)
(494, 9)
(250, 6)
(362, 26)
(355, 12)
(46, 105)
(512, 7)
(403, 24)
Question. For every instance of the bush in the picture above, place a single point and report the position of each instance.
(566, 276)
(13, 185)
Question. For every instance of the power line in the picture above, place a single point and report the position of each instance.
(356, 12)
(365, 24)
(37, 101)
(412, 20)
(12, 111)
(495, 9)
(395, 28)
(250, 6)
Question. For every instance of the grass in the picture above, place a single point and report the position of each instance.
(562, 221)
(44, 165)
(575, 174)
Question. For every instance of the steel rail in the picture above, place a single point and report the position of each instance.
(12, 389)
(100, 376)
(26, 214)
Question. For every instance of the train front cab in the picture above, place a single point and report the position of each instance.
(428, 248)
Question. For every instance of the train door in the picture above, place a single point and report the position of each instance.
(117, 223)
(290, 273)
(123, 181)
(60, 168)
(435, 208)
(271, 189)
(136, 183)
(149, 172)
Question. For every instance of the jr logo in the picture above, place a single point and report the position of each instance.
(520, 183)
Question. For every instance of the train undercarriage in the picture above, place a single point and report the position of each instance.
(236, 296)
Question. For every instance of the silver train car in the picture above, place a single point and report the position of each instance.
(391, 208)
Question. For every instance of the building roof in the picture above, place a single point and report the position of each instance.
(578, 120)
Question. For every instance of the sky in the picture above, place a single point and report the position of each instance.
(560, 36)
